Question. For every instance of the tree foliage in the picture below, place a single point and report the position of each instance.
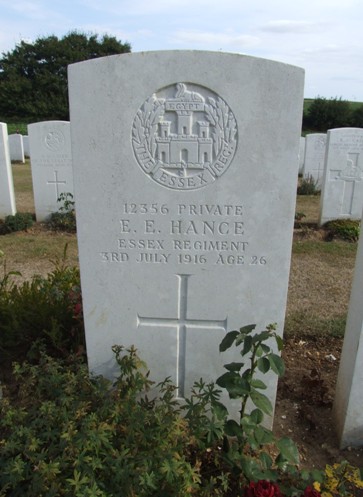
(324, 114)
(33, 76)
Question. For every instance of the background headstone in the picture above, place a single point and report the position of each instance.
(348, 405)
(51, 164)
(342, 189)
(301, 154)
(314, 157)
(7, 197)
(184, 214)
(26, 145)
(16, 147)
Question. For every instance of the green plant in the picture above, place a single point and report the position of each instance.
(44, 311)
(344, 229)
(18, 222)
(308, 186)
(65, 432)
(65, 218)
(340, 480)
(244, 450)
(75, 435)
(299, 216)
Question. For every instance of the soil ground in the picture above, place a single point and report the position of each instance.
(319, 287)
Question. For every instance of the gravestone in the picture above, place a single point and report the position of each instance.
(314, 157)
(26, 145)
(7, 197)
(301, 154)
(184, 212)
(342, 190)
(16, 147)
(348, 404)
(51, 164)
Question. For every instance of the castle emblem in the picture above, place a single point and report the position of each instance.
(184, 137)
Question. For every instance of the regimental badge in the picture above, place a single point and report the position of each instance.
(54, 140)
(184, 136)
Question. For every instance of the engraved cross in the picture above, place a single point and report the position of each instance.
(350, 176)
(181, 323)
(56, 182)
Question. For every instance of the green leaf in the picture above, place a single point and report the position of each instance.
(234, 366)
(261, 401)
(247, 329)
(234, 384)
(266, 460)
(305, 475)
(263, 364)
(252, 469)
(227, 341)
(238, 388)
(233, 429)
(317, 475)
(265, 348)
(261, 337)
(288, 450)
(256, 416)
(227, 378)
(219, 410)
(280, 342)
(277, 364)
(263, 436)
(256, 383)
(247, 345)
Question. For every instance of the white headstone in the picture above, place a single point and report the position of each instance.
(348, 405)
(314, 157)
(301, 154)
(184, 213)
(342, 190)
(7, 197)
(26, 145)
(16, 147)
(51, 164)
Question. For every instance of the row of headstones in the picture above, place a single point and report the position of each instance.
(334, 162)
(183, 237)
(49, 145)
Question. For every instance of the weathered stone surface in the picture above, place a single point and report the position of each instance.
(185, 169)
(348, 405)
(342, 190)
(51, 163)
(7, 197)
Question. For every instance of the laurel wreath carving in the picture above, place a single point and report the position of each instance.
(223, 121)
(144, 130)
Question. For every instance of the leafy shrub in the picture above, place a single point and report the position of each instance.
(64, 432)
(44, 311)
(19, 222)
(308, 186)
(65, 218)
(70, 434)
(343, 229)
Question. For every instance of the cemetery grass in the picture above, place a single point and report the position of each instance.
(319, 289)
